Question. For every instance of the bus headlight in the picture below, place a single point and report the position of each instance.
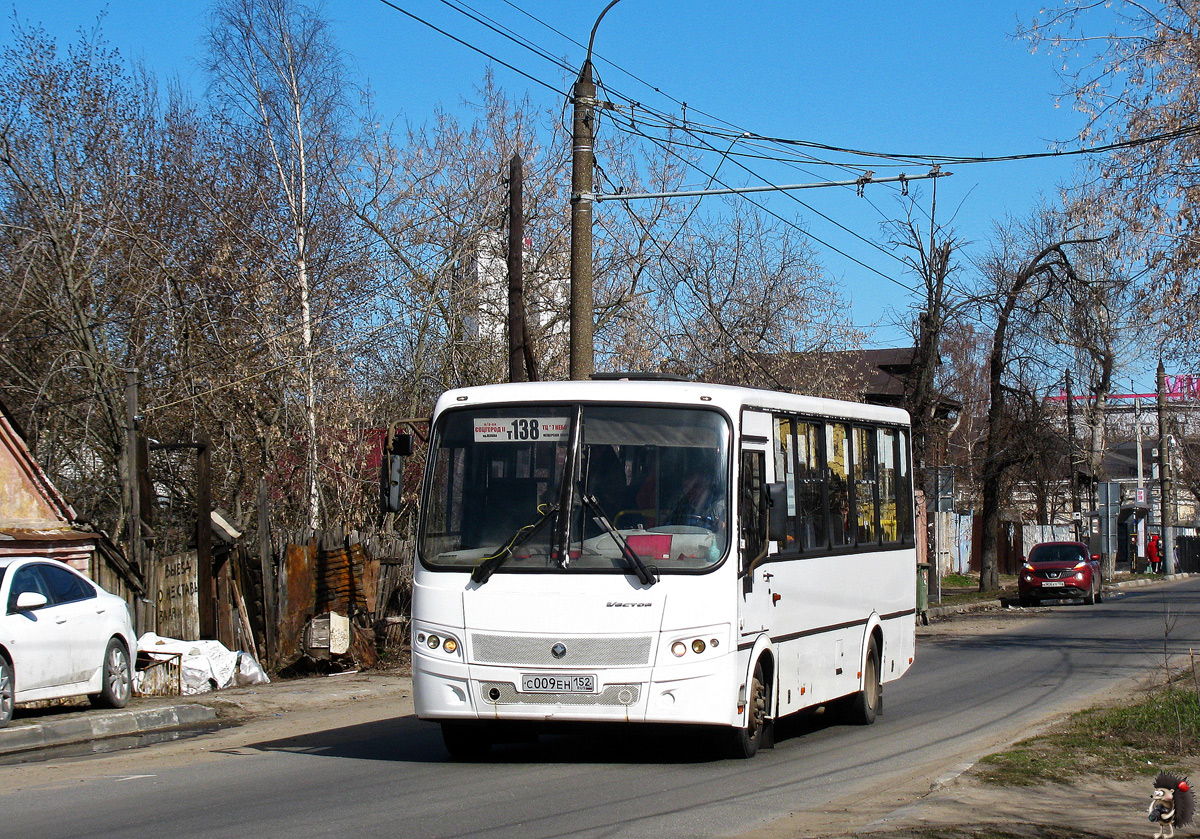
(697, 646)
(434, 642)
(450, 645)
(678, 648)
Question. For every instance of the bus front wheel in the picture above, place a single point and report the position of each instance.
(465, 741)
(747, 740)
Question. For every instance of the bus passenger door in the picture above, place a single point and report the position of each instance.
(755, 590)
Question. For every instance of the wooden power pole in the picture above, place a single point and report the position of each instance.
(516, 267)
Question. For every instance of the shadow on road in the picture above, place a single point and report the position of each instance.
(409, 740)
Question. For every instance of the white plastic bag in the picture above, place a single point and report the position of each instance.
(249, 672)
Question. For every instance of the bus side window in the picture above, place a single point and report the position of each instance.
(752, 528)
(904, 498)
(810, 487)
(889, 508)
(785, 471)
(866, 495)
(837, 468)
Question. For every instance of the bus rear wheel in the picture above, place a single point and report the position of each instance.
(867, 704)
(465, 741)
(746, 741)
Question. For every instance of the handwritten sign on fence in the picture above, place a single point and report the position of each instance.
(176, 593)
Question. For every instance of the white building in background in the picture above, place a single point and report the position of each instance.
(484, 284)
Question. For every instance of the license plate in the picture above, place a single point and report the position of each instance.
(1053, 584)
(558, 683)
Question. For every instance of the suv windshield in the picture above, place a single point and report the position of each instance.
(658, 475)
(1057, 553)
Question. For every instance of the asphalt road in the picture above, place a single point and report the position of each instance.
(969, 692)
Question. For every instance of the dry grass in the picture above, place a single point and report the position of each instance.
(1159, 731)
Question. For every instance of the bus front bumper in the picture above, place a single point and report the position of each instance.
(696, 694)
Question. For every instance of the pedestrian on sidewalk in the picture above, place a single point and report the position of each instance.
(1154, 555)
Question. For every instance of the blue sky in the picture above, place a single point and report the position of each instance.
(913, 77)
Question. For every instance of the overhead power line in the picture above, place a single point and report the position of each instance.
(741, 190)
(472, 47)
(1166, 136)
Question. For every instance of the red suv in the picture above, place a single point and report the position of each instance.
(1060, 569)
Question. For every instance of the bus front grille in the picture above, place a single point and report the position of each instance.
(503, 693)
(535, 651)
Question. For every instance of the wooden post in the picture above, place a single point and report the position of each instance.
(132, 450)
(204, 559)
(270, 612)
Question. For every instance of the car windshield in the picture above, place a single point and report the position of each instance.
(658, 475)
(1057, 553)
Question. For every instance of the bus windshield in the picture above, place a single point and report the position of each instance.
(660, 476)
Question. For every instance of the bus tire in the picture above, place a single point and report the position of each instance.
(746, 741)
(867, 704)
(465, 741)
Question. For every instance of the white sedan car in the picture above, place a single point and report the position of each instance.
(61, 635)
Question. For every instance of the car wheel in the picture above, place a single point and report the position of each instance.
(117, 684)
(867, 704)
(1100, 592)
(1090, 598)
(8, 692)
(746, 741)
(1027, 601)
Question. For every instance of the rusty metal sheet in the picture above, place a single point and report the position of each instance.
(297, 599)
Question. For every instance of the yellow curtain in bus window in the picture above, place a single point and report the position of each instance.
(864, 486)
(885, 449)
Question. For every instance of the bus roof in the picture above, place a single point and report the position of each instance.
(656, 392)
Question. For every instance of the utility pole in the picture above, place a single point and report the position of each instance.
(1076, 514)
(517, 333)
(1141, 483)
(1166, 514)
(582, 163)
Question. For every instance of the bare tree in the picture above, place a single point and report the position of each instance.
(1027, 267)
(276, 71)
(1099, 319)
(930, 256)
(74, 147)
(1131, 68)
(738, 296)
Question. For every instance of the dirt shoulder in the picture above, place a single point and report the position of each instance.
(960, 804)
(964, 807)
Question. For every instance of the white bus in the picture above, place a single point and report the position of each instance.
(650, 551)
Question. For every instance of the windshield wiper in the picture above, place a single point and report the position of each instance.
(560, 547)
(635, 561)
(488, 565)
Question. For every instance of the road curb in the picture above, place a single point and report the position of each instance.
(1147, 581)
(32, 735)
(935, 612)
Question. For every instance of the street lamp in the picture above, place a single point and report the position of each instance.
(583, 135)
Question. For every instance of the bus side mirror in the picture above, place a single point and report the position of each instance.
(777, 511)
(391, 472)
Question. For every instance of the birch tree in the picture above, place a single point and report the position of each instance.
(276, 71)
